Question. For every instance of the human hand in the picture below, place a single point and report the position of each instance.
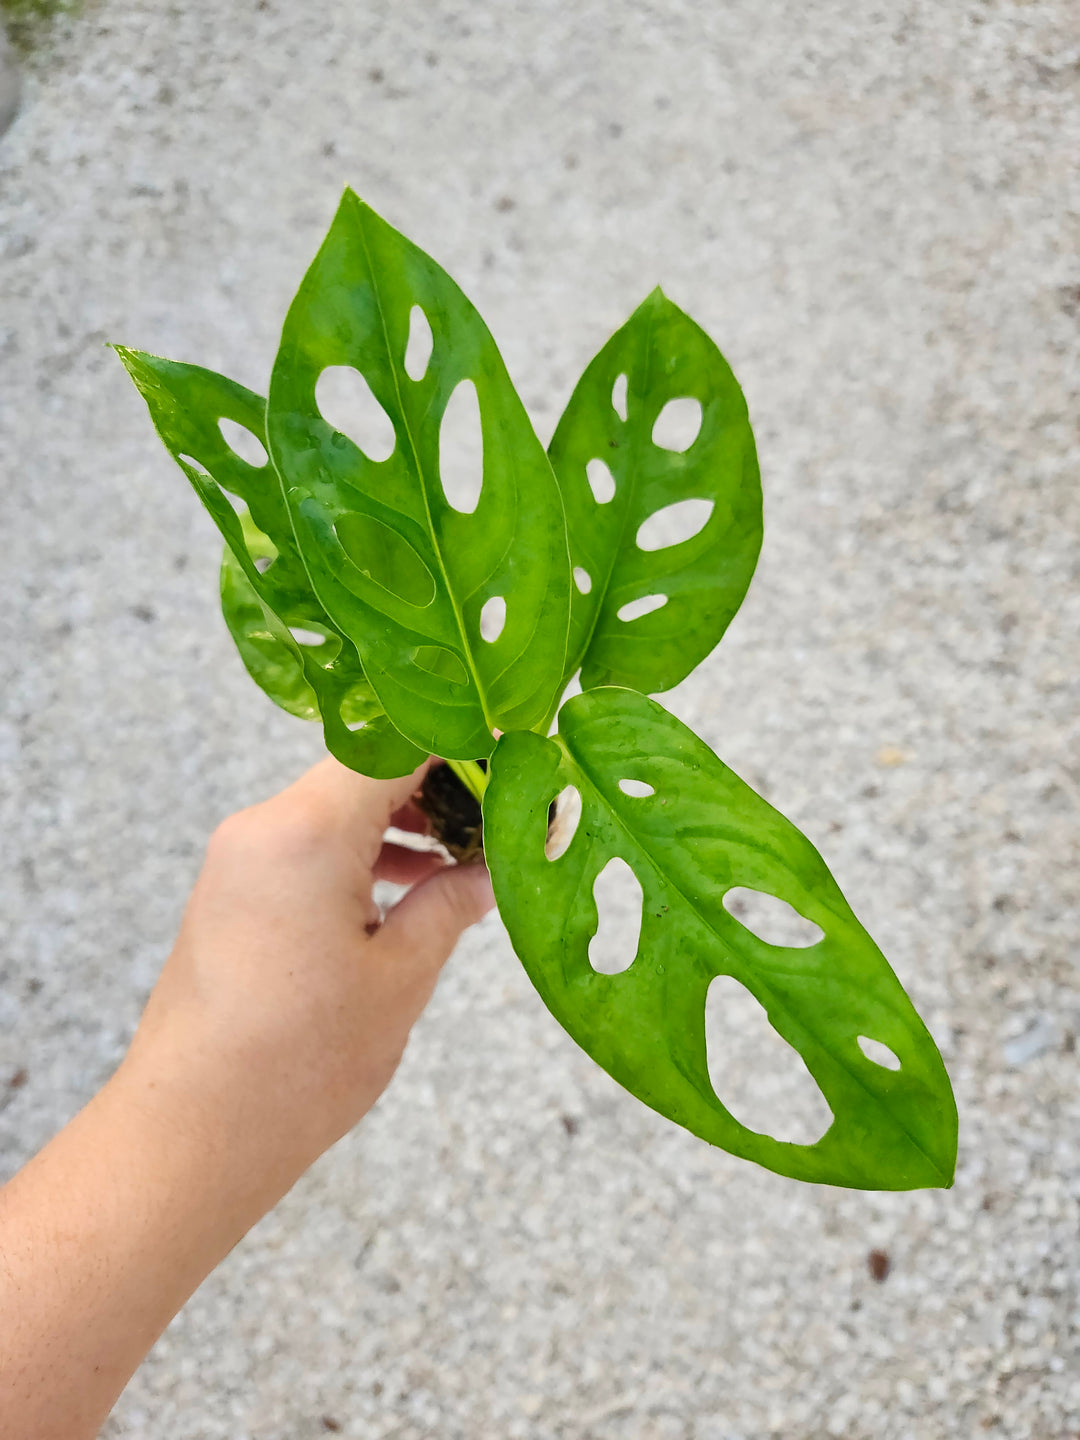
(287, 1001)
(277, 1022)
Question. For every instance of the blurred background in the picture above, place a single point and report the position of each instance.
(875, 211)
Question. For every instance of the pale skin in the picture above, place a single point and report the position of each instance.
(278, 1020)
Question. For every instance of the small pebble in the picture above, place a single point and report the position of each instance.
(879, 1265)
(889, 756)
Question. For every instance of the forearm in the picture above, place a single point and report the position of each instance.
(103, 1237)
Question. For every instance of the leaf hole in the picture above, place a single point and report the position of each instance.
(879, 1053)
(573, 687)
(346, 402)
(771, 919)
(420, 345)
(674, 524)
(678, 424)
(564, 827)
(618, 397)
(243, 442)
(306, 637)
(638, 789)
(492, 619)
(354, 725)
(601, 481)
(197, 466)
(636, 609)
(618, 895)
(461, 449)
(582, 579)
(262, 563)
(755, 1073)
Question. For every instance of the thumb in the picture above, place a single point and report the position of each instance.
(425, 925)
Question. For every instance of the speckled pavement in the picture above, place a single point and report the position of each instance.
(876, 212)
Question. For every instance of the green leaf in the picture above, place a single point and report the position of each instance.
(400, 570)
(271, 660)
(701, 833)
(663, 357)
(187, 404)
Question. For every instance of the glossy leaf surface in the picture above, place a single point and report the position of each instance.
(400, 570)
(665, 359)
(262, 608)
(701, 833)
(271, 658)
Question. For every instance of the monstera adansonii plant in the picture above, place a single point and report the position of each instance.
(416, 615)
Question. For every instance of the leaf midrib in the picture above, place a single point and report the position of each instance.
(458, 617)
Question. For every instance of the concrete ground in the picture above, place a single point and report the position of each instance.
(876, 212)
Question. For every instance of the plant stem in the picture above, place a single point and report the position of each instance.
(471, 776)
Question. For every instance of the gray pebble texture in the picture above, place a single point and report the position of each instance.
(875, 210)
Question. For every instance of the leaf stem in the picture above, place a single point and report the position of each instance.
(471, 776)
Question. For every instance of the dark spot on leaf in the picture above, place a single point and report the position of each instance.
(879, 1265)
(329, 1423)
(377, 1388)
(180, 562)
(19, 1079)
(571, 1124)
(144, 613)
(505, 203)
(376, 75)
(870, 792)
(329, 149)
